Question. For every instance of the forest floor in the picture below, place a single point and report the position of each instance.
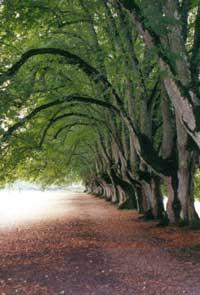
(82, 245)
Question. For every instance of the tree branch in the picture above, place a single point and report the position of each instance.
(140, 140)
(55, 119)
(71, 59)
(66, 99)
(195, 58)
(69, 126)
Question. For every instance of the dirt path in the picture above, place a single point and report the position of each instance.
(84, 246)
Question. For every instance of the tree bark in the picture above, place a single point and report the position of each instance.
(186, 175)
(183, 96)
(169, 152)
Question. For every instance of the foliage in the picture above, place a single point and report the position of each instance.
(197, 185)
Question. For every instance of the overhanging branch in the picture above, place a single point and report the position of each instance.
(63, 100)
(55, 119)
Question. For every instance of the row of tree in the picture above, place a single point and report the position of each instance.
(107, 92)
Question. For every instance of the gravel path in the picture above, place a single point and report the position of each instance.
(82, 245)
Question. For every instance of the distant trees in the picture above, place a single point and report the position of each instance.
(107, 92)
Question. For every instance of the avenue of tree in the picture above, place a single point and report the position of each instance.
(107, 92)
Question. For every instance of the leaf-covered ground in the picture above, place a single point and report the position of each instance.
(82, 245)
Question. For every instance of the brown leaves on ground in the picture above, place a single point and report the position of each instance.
(93, 248)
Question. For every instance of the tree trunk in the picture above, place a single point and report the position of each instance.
(140, 200)
(147, 204)
(185, 175)
(168, 152)
(183, 96)
(173, 203)
(157, 199)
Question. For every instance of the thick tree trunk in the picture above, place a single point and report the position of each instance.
(114, 197)
(126, 193)
(140, 200)
(146, 200)
(173, 203)
(128, 197)
(157, 199)
(151, 199)
(184, 97)
(185, 175)
(185, 193)
(168, 152)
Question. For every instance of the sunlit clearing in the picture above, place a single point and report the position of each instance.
(19, 206)
(197, 207)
